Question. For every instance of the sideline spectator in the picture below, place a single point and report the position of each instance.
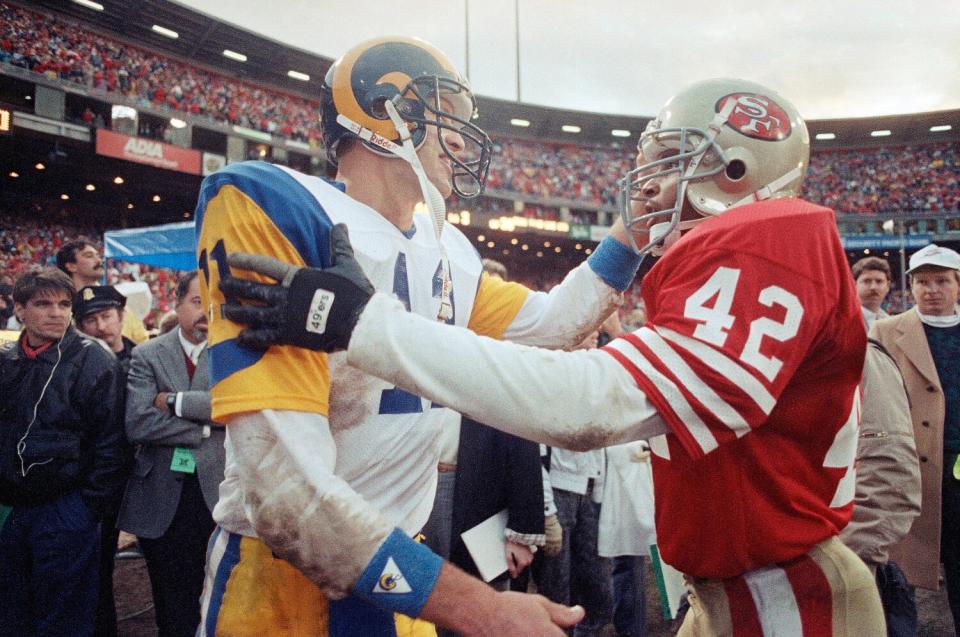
(627, 532)
(61, 462)
(925, 342)
(98, 312)
(179, 462)
(573, 488)
(81, 261)
(887, 499)
(872, 276)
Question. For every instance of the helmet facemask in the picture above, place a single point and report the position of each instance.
(727, 143)
(470, 168)
(686, 153)
(420, 105)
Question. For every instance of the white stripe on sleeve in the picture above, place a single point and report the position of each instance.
(671, 393)
(725, 366)
(689, 379)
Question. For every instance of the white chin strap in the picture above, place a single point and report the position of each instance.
(431, 196)
(663, 236)
(772, 188)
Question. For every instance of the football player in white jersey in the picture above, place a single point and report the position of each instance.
(330, 472)
(744, 378)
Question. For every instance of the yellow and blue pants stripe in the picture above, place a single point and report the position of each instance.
(248, 592)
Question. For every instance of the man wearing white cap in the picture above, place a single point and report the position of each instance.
(925, 341)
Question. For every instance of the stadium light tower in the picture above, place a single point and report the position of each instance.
(516, 31)
(466, 38)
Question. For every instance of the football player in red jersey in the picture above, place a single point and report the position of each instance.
(744, 378)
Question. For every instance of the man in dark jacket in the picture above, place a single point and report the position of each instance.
(98, 312)
(61, 462)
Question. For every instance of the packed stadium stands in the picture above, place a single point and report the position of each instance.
(59, 49)
(537, 179)
(922, 178)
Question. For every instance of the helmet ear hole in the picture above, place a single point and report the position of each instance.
(376, 97)
(377, 108)
(736, 170)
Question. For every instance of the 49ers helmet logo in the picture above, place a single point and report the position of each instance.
(757, 116)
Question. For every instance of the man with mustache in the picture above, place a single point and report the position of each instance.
(179, 462)
(81, 261)
(98, 312)
(872, 276)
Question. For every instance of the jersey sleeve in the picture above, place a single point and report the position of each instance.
(726, 333)
(257, 208)
(564, 316)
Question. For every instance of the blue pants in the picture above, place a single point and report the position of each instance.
(950, 536)
(629, 599)
(899, 601)
(578, 575)
(439, 526)
(49, 581)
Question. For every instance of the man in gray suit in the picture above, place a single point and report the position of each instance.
(179, 462)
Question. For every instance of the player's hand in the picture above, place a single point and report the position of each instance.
(554, 533)
(519, 558)
(308, 307)
(641, 235)
(640, 453)
(525, 615)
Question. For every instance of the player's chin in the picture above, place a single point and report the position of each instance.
(444, 185)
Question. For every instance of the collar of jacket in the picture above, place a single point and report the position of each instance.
(70, 337)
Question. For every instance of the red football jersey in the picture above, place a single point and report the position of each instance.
(752, 354)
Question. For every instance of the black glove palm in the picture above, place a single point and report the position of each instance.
(308, 307)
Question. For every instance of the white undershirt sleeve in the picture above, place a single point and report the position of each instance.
(576, 400)
(298, 507)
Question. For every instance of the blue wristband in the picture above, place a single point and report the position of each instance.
(401, 576)
(615, 263)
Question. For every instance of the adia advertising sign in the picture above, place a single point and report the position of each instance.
(147, 151)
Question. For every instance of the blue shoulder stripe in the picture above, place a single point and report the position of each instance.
(228, 357)
(292, 209)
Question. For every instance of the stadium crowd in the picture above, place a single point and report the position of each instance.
(922, 178)
(29, 243)
(918, 179)
(64, 50)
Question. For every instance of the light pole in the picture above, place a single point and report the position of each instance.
(888, 226)
(903, 263)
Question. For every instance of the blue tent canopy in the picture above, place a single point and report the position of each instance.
(173, 245)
